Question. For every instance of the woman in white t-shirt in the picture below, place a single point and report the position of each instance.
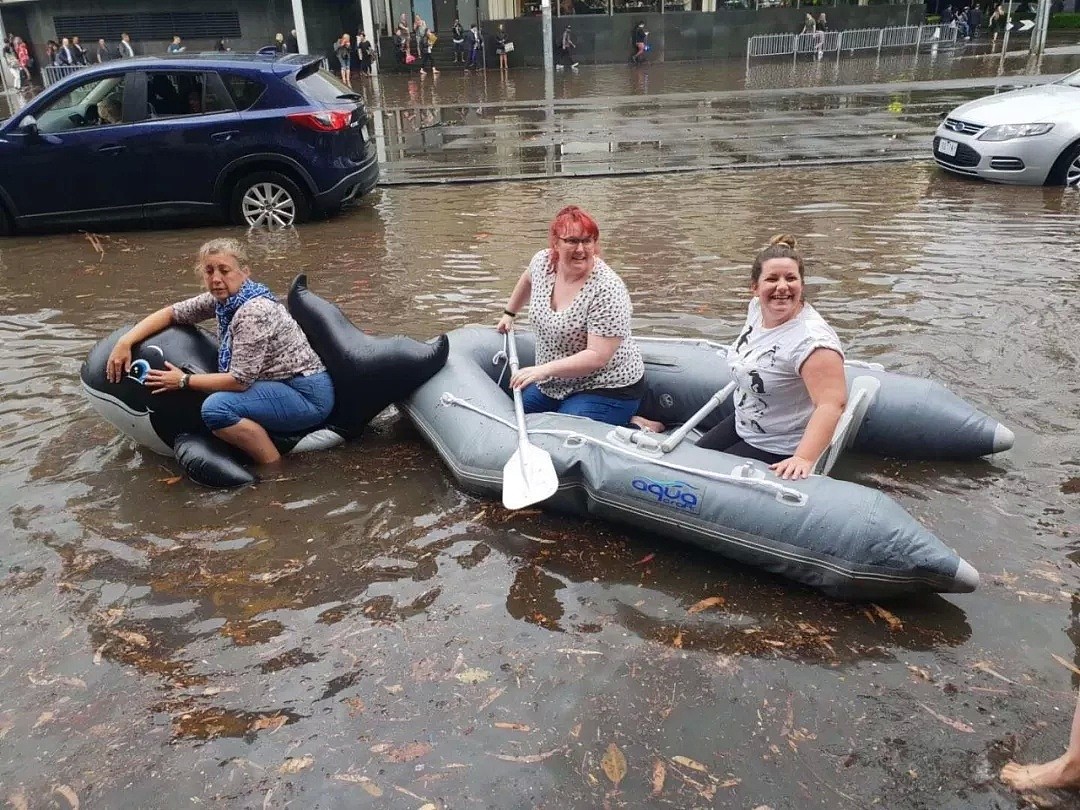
(789, 366)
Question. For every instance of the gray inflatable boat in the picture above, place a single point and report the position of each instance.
(850, 541)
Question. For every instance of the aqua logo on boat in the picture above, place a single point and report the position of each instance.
(676, 494)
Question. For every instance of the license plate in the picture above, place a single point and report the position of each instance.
(947, 147)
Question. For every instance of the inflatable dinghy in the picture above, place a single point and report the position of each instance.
(850, 541)
(369, 373)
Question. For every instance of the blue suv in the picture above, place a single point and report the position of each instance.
(261, 140)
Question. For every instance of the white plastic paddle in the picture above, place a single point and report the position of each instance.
(529, 476)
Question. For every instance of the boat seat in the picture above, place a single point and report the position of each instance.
(861, 396)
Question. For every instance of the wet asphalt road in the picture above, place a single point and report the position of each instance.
(360, 633)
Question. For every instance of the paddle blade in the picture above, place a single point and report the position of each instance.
(528, 477)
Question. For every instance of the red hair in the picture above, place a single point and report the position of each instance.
(570, 219)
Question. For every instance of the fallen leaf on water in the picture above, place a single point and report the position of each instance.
(473, 675)
(513, 726)
(693, 764)
(17, 801)
(732, 782)
(985, 667)
(131, 637)
(922, 673)
(428, 806)
(272, 723)
(646, 559)
(955, 724)
(481, 235)
(572, 651)
(677, 641)
(296, 764)
(394, 689)
(891, 619)
(362, 781)
(1049, 576)
(705, 604)
(69, 794)
(1064, 663)
(170, 481)
(575, 732)
(613, 764)
(43, 718)
(659, 773)
(407, 753)
(380, 748)
(528, 758)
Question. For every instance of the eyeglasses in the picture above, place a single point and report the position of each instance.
(574, 241)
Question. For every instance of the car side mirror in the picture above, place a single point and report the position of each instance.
(29, 126)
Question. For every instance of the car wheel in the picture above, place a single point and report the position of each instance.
(268, 199)
(1066, 171)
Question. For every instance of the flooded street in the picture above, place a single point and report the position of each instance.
(360, 633)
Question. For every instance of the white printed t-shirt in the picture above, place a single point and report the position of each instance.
(601, 307)
(772, 405)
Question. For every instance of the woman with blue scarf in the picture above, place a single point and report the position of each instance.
(268, 376)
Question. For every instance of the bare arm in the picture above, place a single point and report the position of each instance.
(518, 298)
(169, 380)
(596, 354)
(119, 362)
(823, 373)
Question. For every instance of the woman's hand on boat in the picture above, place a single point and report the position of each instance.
(168, 380)
(529, 375)
(505, 322)
(794, 467)
(119, 362)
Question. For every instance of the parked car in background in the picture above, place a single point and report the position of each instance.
(260, 140)
(1029, 136)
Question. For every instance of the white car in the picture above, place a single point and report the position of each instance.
(1029, 136)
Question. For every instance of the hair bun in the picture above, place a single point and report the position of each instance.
(784, 239)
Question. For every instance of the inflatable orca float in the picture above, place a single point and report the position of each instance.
(369, 373)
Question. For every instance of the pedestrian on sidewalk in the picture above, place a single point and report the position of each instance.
(475, 45)
(457, 36)
(638, 39)
(365, 52)
(425, 44)
(500, 47)
(101, 53)
(568, 47)
(124, 49)
(343, 51)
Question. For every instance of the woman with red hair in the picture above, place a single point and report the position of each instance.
(587, 363)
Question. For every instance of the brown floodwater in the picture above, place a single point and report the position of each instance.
(361, 633)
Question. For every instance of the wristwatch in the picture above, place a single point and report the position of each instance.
(184, 380)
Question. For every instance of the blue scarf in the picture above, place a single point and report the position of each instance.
(248, 291)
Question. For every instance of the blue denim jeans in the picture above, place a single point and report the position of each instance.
(287, 406)
(611, 410)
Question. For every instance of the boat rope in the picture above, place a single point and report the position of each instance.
(786, 495)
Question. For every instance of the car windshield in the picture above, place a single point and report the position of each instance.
(1072, 80)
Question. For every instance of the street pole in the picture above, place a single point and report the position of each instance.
(1042, 23)
(547, 36)
(301, 27)
(1005, 38)
(372, 35)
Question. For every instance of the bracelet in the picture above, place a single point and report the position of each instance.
(184, 380)
(508, 312)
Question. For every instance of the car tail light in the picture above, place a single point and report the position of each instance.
(327, 121)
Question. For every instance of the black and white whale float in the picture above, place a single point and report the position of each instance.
(848, 540)
(369, 373)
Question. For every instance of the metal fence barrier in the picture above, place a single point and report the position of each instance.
(858, 39)
(51, 74)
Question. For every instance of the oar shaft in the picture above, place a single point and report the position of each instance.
(519, 406)
(675, 438)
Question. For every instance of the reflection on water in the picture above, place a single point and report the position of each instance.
(360, 629)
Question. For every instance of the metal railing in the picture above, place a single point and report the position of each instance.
(51, 74)
(858, 39)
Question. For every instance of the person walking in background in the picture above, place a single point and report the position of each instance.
(638, 37)
(101, 53)
(279, 44)
(821, 28)
(124, 49)
(975, 17)
(292, 42)
(457, 36)
(52, 52)
(64, 56)
(500, 47)
(472, 39)
(568, 47)
(222, 46)
(77, 52)
(996, 24)
(343, 51)
(176, 46)
(425, 44)
(22, 53)
(365, 52)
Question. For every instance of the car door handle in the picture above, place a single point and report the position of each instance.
(221, 137)
(113, 149)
